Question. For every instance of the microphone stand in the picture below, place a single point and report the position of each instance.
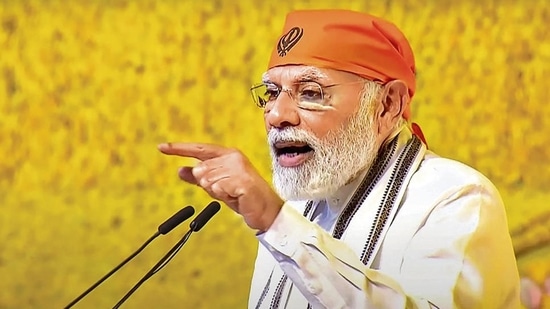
(206, 214)
(163, 261)
(168, 225)
(113, 271)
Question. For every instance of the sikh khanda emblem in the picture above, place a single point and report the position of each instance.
(288, 40)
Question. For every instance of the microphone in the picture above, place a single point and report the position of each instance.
(175, 220)
(168, 225)
(205, 215)
(195, 225)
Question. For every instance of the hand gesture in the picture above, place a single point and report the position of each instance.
(227, 175)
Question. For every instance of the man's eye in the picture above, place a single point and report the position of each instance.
(271, 94)
(311, 95)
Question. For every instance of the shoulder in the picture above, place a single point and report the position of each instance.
(444, 172)
(439, 179)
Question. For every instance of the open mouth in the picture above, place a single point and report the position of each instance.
(292, 153)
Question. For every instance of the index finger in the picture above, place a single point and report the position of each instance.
(193, 150)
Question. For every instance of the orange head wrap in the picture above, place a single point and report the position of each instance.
(347, 41)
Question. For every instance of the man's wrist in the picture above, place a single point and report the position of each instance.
(270, 214)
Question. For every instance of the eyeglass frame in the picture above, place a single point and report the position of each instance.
(290, 92)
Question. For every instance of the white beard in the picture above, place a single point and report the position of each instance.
(336, 160)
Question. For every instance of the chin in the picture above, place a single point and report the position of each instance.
(299, 188)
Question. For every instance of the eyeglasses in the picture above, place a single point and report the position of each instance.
(304, 93)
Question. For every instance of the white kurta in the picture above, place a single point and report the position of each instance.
(448, 246)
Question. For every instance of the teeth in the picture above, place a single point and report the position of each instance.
(289, 154)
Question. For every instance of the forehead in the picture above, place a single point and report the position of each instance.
(296, 73)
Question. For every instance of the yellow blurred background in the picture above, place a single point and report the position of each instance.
(88, 88)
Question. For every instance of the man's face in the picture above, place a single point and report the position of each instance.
(318, 148)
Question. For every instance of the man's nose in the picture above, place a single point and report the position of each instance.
(283, 112)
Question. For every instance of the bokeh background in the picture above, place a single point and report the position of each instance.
(88, 88)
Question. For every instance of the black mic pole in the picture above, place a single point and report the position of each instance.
(182, 215)
(194, 226)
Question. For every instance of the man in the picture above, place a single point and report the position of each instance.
(364, 215)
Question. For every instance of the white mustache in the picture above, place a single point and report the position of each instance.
(291, 134)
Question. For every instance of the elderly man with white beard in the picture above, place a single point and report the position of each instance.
(363, 215)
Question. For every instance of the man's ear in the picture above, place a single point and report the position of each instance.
(394, 99)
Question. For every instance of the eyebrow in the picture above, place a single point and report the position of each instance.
(311, 74)
(265, 78)
(306, 74)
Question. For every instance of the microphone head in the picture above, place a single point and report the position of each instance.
(204, 216)
(180, 216)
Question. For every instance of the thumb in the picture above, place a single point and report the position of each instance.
(185, 173)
